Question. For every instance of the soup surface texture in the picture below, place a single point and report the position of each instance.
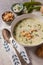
(29, 32)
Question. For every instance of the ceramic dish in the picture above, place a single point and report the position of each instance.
(26, 16)
(8, 17)
(17, 8)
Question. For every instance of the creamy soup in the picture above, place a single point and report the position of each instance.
(29, 32)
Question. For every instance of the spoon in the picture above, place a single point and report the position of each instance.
(7, 36)
(8, 47)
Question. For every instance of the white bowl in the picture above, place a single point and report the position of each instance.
(17, 19)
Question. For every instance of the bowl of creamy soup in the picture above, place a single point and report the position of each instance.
(27, 30)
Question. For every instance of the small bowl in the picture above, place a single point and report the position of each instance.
(8, 17)
(19, 6)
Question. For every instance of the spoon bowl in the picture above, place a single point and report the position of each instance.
(6, 34)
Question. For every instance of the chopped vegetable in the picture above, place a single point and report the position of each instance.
(42, 30)
(42, 38)
(19, 35)
(30, 41)
(31, 6)
(20, 26)
(33, 31)
(25, 10)
(28, 4)
(36, 35)
(37, 8)
(39, 26)
(14, 33)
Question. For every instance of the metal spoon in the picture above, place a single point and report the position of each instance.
(19, 48)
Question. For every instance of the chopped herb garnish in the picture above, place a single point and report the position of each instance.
(19, 35)
(14, 33)
(42, 38)
(26, 39)
(20, 26)
(29, 26)
(42, 30)
(30, 41)
(19, 8)
(39, 26)
(36, 35)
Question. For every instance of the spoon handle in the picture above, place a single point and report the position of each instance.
(21, 50)
(9, 49)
